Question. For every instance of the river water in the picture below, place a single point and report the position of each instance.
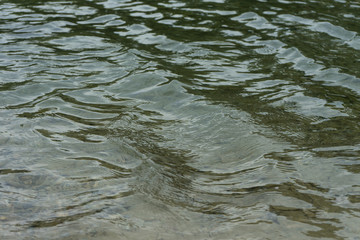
(201, 119)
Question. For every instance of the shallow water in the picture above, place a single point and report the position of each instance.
(212, 119)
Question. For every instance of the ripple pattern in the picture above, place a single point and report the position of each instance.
(175, 119)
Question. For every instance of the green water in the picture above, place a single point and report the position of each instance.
(212, 119)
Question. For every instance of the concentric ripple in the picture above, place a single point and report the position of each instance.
(212, 119)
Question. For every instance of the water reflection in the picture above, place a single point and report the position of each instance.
(198, 120)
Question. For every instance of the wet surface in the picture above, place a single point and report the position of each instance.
(213, 119)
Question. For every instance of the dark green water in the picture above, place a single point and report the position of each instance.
(212, 119)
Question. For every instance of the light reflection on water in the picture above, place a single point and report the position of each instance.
(179, 120)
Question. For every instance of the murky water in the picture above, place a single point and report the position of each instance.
(212, 119)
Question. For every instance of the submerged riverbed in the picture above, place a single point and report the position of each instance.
(212, 119)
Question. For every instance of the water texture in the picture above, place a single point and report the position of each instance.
(211, 119)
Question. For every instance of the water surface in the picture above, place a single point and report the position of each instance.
(212, 119)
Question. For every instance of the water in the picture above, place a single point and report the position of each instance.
(212, 119)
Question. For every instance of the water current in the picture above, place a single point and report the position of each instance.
(170, 119)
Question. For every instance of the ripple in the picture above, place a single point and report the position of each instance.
(79, 43)
(201, 120)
